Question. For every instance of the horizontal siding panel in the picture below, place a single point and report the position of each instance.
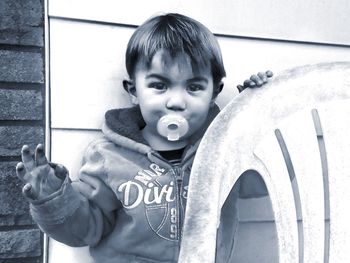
(87, 68)
(256, 242)
(60, 252)
(299, 20)
(255, 209)
(68, 147)
(258, 209)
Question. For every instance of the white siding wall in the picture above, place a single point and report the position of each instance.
(88, 40)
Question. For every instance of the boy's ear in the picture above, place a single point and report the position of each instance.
(129, 86)
(218, 88)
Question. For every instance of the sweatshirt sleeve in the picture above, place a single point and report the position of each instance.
(80, 213)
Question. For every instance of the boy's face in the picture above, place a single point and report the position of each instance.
(170, 86)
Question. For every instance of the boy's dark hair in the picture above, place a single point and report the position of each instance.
(177, 34)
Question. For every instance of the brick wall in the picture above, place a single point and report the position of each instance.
(22, 121)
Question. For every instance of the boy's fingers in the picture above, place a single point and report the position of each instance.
(256, 80)
(262, 76)
(269, 73)
(27, 158)
(249, 83)
(28, 191)
(240, 88)
(21, 171)
(40, 157)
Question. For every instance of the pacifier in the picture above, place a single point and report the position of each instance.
(172, 126)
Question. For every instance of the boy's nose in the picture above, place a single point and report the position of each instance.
(176, 102)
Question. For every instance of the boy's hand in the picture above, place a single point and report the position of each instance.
(256, 80)
(41, 178)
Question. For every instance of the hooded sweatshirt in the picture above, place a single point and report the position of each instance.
(129, 203)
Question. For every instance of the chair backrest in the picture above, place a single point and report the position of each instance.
(295, 129)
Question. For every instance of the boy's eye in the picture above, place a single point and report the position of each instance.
(194, 87)
(157, 85)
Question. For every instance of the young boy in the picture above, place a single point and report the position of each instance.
(130, 200)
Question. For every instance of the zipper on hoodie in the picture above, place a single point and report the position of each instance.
(179, 181)
(178, 176)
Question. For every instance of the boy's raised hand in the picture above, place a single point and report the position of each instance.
(257, 80)
(40, 177)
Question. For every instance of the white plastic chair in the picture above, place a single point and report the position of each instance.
(296, 128)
